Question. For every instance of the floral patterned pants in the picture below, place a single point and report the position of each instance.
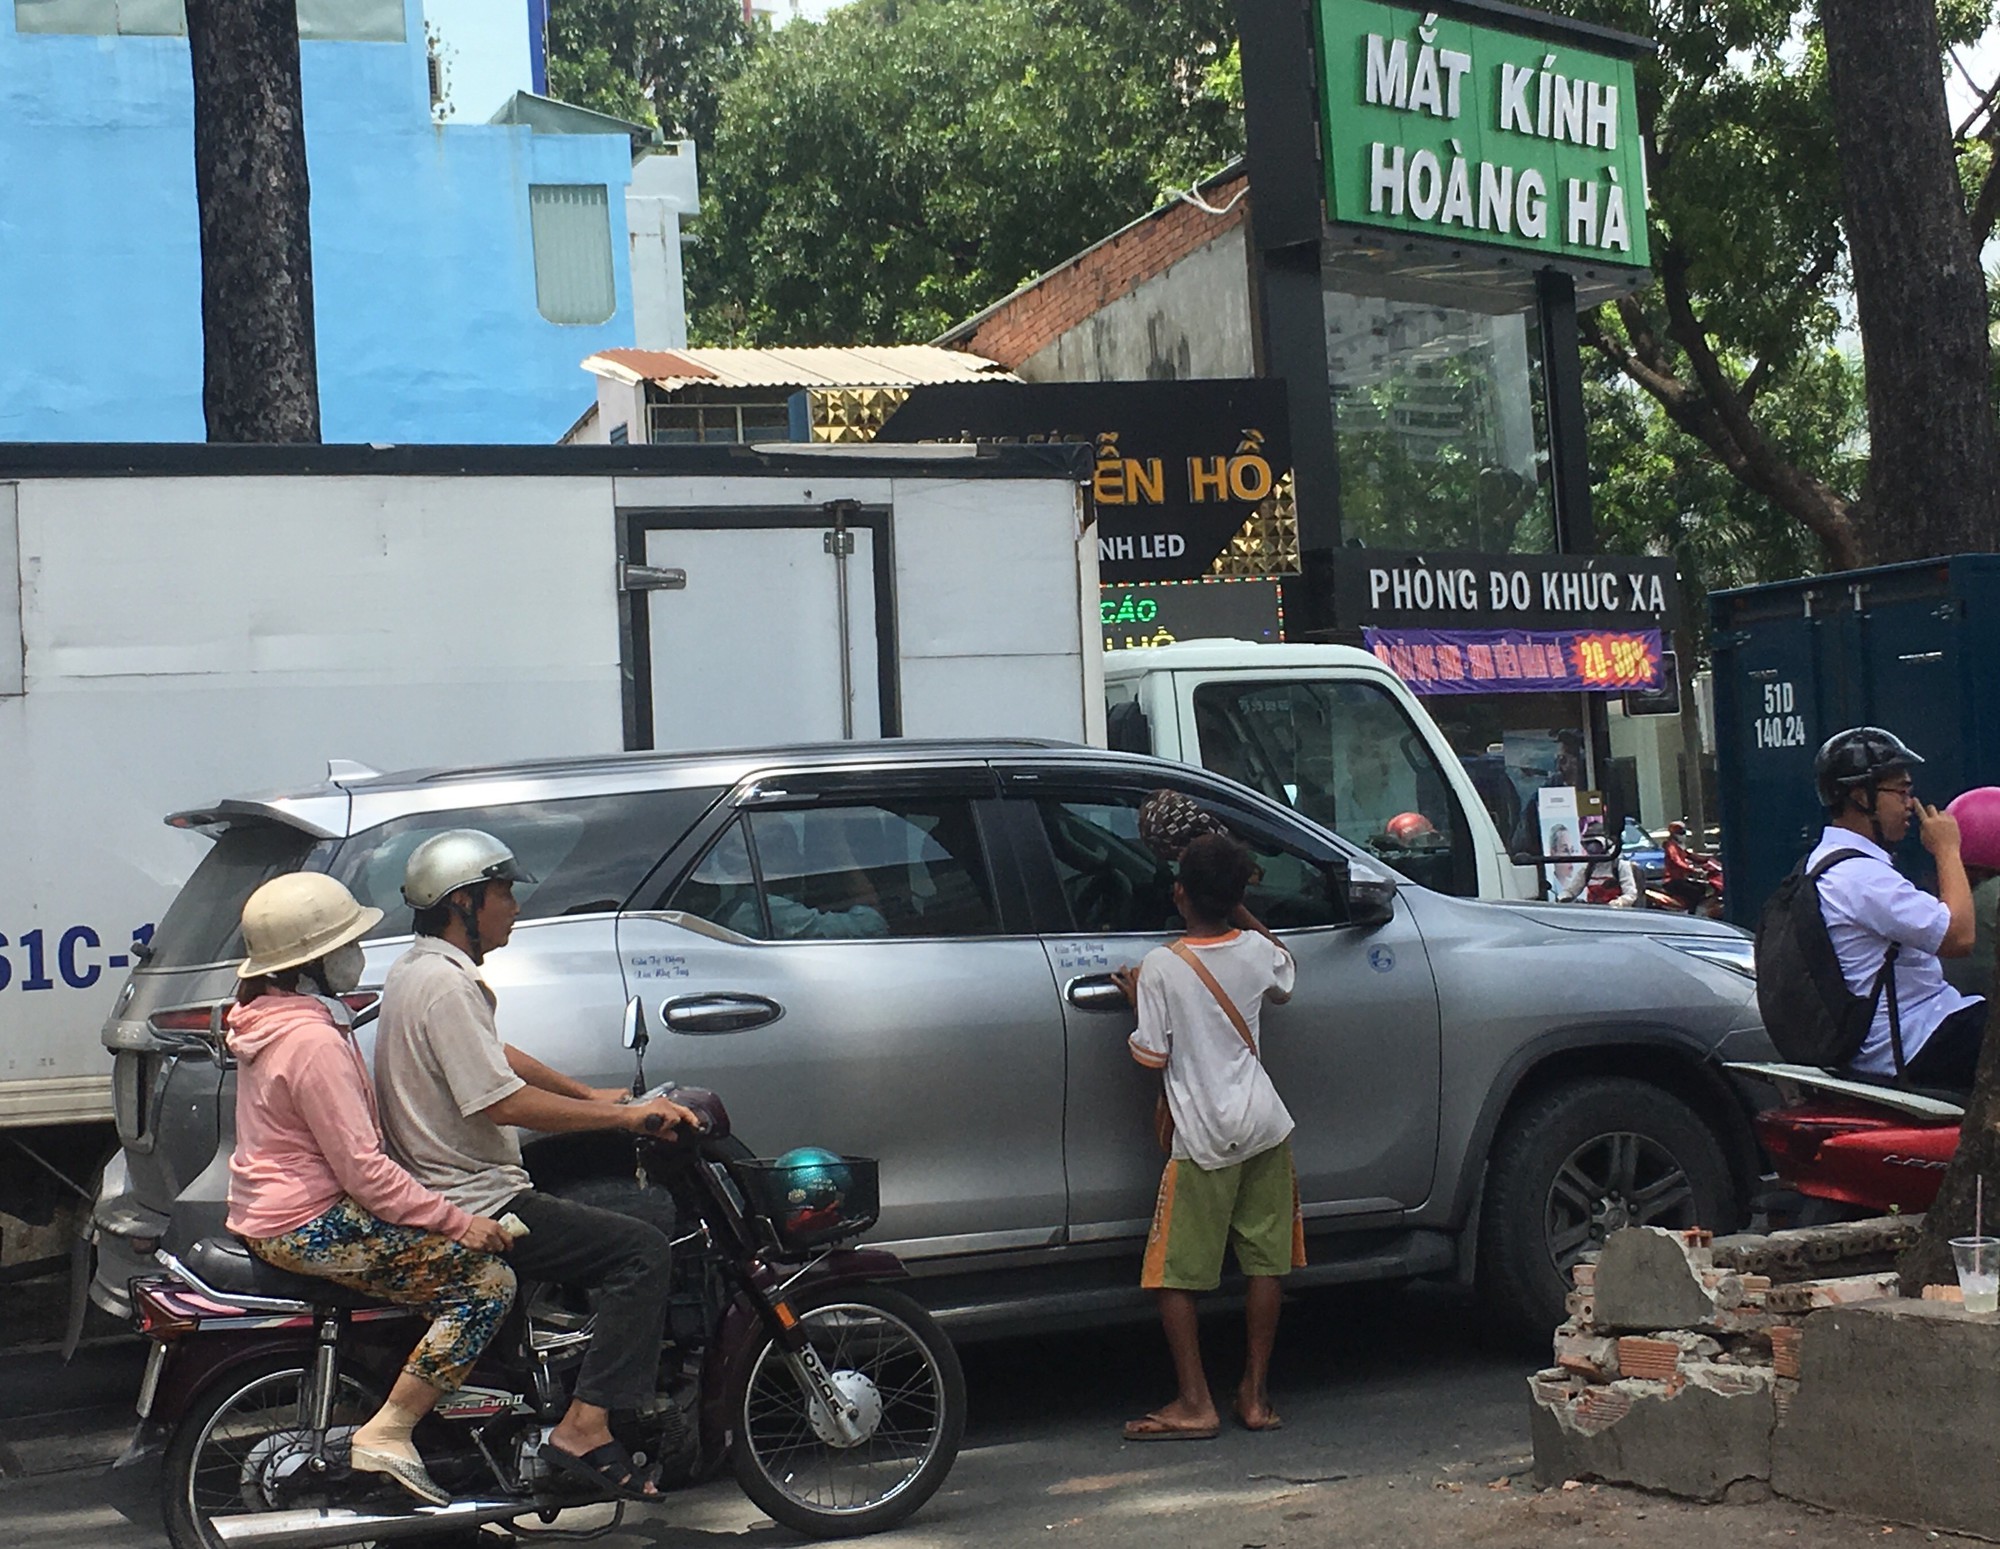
(466, 1294)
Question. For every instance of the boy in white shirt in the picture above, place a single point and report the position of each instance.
(1228, 1178)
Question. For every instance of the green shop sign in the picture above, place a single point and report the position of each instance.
(1443, 128)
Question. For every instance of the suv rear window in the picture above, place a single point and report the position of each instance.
(587, 854)
(204, 923)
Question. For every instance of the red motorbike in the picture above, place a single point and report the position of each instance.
(1692, 884)
(1856, 1148)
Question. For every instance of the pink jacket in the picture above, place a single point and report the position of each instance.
(306, 1128)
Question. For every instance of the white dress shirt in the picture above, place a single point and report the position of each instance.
(1867, 904)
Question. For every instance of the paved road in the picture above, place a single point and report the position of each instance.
(1375, 1386)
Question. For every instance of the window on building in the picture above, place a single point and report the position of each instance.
(697, 420)
(350, 21)
(1439, 419)
(571, 227)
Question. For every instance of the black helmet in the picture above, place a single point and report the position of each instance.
(1860, 757)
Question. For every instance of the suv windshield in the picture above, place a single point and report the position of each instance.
(203, 924)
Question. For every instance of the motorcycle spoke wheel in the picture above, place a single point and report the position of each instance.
(893, 1366)
(253, 1452)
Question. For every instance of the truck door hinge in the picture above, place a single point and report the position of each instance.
(651, 578)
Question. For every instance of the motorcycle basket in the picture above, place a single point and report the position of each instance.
(811, 1204)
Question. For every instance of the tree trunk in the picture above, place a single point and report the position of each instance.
(261, 379)
(1978, 1156)
(1934, 471)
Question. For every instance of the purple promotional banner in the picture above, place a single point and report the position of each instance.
(1520, 661)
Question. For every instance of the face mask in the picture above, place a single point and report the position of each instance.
(342, 968)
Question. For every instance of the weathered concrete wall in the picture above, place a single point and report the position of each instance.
(1897, 1415)
(1192, 320)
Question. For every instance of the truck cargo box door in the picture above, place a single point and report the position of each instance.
(764, 630)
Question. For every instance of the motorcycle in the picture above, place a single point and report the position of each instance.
(1692, 885)
(1851, 1147)
(838, 1402)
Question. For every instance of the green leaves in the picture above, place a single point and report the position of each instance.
(657, 62)
(883, 176)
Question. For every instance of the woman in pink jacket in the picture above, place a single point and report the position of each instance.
(309, 1187)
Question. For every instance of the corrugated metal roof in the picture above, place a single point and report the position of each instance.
(879, 365)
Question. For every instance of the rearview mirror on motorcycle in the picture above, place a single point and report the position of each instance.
(636, 1040)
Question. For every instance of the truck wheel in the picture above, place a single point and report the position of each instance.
(1574, 1165)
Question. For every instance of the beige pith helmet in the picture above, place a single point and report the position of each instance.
(298, 918)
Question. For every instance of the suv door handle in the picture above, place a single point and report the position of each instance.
(720, 1013)
(1096, 992)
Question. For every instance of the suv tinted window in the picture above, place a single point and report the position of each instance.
(587, 853)
(847, 872)
(203, 924)
(1112, 883)
(1347, 756)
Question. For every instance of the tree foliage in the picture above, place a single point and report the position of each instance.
(1745, 177)
(881, 176)
(656, 62)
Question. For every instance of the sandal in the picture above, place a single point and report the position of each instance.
(1157, 1427)
(608, 1469)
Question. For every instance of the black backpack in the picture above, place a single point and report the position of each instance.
(1810, 1013)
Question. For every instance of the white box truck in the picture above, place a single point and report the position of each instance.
(181, 624)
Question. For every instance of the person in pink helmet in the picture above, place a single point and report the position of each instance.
(1978, 814)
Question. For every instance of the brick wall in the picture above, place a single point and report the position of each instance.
(1025, 324)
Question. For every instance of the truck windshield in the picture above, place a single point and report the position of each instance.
(1347, 756)
(202, 926)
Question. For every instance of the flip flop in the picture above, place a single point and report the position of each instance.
(1156, 1427)
(410, 1473)
(608, 1469)
(1272, 1421)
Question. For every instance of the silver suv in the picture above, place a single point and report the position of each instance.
(904, 950)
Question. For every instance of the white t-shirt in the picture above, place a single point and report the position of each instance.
(1867, 904)
(1225, 1108)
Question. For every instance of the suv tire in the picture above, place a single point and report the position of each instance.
(1577, 1162)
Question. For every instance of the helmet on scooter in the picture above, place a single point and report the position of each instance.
(1978, 814)
(1859, 759)
(1410, 828)
(456, 858)
(297, 919)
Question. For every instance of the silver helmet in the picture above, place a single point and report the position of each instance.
(456, 858)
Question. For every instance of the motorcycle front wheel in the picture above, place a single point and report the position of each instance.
(892, 1364)
(244, 1448)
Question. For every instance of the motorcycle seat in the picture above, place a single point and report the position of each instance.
(226, 1265)
(1940, 1094)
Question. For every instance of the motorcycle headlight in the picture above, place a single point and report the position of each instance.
(1736, 953)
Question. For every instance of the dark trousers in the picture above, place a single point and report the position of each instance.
(1950, 1056)
(622, 1259)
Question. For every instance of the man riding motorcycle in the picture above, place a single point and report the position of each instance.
(451, 1092)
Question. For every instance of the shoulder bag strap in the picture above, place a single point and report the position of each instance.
(1188, 955)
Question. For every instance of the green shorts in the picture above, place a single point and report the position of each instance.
(1252, 1206)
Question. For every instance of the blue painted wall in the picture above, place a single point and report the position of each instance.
(423, 262)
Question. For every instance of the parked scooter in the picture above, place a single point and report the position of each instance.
(1857, 1148)
(839, 1402)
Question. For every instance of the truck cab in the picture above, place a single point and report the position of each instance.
(1333, 734)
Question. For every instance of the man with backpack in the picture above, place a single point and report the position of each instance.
(1848, 950)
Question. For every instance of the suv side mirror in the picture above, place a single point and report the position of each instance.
(635, 1037)
(1371, 902)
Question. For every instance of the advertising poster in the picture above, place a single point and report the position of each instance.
(1556, 809)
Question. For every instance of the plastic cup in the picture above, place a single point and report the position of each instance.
(1978, 1260)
